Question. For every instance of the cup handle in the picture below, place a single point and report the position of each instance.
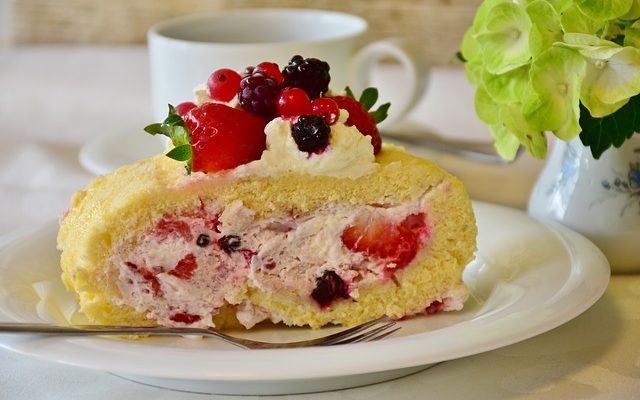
(413, 63)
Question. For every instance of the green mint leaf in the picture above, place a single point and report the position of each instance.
(381, 113)
(349, 92)
(601, 133)
(180, 153)
(153, 129)
(369, 97)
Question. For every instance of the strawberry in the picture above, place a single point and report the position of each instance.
(223, 137)
(213, 137)
(378, 237)
(185, 267)
(360, 116)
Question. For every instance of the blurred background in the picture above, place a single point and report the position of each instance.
(435, 26)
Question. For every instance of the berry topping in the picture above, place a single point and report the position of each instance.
(203, 240)
(396, 243)
(230, 243)
(293, 102)
(185, 318)
(311, 133)
(326, 108)
(184, 107)
(258, 93)
(272, 70)
(434, 307)
(185, 267)
(223, 137)
(223, 84)
(329, 287)
(310, 74)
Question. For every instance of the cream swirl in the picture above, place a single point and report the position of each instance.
(348, 155)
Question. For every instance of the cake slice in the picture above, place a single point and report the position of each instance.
(324, 232)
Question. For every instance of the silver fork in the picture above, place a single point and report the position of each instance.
(368, 331)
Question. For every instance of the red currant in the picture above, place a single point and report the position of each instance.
(327, 108)
(272, 70)
(293, 102)
(184, 107)
(223, 84)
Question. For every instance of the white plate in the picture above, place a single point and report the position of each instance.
(528, 278)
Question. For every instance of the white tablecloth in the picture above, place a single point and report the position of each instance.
(53, 100)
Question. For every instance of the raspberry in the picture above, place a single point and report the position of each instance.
(272, 70)
(185, 318)
(311, 133)
(310, 74)
(185, 267)
(293, 102)
(329, 287)
(258, 93)
(223, 84)
(327, 108)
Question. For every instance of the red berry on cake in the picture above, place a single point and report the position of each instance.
(223, 137)
(327, 108)
(223, 84)
(293, 102)
(272, 70)
(184, 107)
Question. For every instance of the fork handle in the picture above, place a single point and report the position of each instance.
(86, 330)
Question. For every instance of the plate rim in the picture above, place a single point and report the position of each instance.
(584, 255)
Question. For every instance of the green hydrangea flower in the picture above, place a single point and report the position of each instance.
(540, 65)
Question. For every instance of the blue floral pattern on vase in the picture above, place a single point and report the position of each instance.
(629, 185)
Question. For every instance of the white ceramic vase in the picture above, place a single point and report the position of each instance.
(598, 198)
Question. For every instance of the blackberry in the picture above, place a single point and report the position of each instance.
(203, 240)
(310, 74)
(230, 243)
(311, 133)
(329, 287)
(258, 93)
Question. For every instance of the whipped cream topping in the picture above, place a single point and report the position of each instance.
(349, 154)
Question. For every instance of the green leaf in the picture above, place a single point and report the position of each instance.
(381, 113)
(369, 97)
(153, 129)
(604, 9)
(601, 133)
(349, 93)
(180, 153)
(176, 130)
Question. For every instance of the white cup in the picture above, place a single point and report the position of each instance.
(184, 51)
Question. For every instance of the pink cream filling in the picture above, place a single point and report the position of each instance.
(185, 269)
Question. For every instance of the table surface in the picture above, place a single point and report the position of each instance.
(55, 99)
